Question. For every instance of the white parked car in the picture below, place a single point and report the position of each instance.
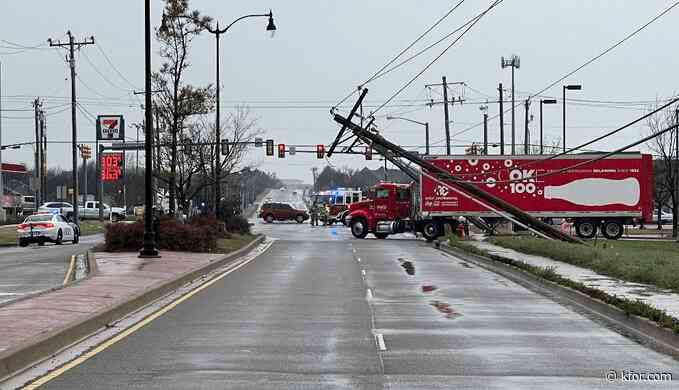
(55, 207)
(47, 227)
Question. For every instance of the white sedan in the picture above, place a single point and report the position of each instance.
(45, 227)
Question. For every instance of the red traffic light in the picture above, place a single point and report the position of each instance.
(281, 150)
(320, 151)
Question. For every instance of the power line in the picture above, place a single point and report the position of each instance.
(404, 50)
(493, 5)
(114, 67)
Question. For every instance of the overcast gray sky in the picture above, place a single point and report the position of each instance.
(324, 49)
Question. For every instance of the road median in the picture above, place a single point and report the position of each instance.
(35, 329)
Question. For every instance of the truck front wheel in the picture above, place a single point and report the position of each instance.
(430, 231)
(612, 230)
(585, 229)
(359, 227)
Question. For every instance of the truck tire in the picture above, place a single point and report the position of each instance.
(585, 229)
(612, 230)
(381, 236)
(431, 230)
(23, 243)
(359, 227)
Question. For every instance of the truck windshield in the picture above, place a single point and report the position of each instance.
(382, 193)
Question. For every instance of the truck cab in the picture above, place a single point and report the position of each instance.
(388, 210)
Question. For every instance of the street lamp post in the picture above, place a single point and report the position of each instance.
(218, 163)
(574, 87)
(515, 63)
(543, 101)
(149, 249)
(426, 130)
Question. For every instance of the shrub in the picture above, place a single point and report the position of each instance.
(237, 224)
(124, 236)
(209, 222)
(198, 237)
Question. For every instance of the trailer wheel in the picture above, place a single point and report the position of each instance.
(585, 229)
(430, 231)
(359, 227)
(612, 230)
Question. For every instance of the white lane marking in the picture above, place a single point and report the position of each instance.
(358, 259)
(363, 272)
(368, 294)
(379, 338)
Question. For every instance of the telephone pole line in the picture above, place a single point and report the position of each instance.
(446, 117)
(37, 159)
(74, 142)
(502, 121)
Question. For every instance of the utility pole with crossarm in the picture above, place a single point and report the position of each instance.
(74, 141)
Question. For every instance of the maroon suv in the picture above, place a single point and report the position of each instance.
(282, 212)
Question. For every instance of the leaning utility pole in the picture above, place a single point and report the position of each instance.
(74, 141)
(2, 186)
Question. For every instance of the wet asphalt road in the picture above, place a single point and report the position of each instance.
(36, 268)
(304, 315)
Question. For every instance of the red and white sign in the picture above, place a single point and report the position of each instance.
(621, 185)
(112, 165)
(110, 128)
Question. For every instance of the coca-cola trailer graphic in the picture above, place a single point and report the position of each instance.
(602, 194)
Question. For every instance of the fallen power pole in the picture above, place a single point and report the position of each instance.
(466, 187)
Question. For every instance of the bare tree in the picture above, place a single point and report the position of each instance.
(663, 146)
(176, 101)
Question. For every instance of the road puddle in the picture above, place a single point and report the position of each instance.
(445, 309)
(407, 265)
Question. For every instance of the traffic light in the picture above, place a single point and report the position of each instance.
(320, 151)
(368, 153)
(281, 150)
(269, 147)
(225, 147)
(259, 142)
(85, 151)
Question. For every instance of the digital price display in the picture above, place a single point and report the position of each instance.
(112, 166)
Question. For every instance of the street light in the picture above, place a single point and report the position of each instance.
(426, 129)
(573, 87)
(544, 101)
(515, 63)
(218, 164)
(149, 249)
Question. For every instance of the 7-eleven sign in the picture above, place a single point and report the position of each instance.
(110, 128)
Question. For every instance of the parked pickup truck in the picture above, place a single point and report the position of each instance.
(89, 211)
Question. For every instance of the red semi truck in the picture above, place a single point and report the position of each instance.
(599, 195)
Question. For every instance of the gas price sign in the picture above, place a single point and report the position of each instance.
(112, 165)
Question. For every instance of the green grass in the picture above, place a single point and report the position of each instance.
(650, 262)
(8, 236)
(237, 241)
(88, 228)
(631, 307)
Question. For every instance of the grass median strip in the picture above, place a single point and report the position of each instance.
(650, 262)
(235, 242)
(8, 236)
(631, 307)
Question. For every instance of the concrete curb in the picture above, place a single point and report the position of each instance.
(637, 328)
(22, 356)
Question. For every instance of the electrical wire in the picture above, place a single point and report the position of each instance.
(403, 51)
(493, 5)
(98, 45)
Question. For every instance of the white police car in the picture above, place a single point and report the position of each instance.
(47, 227)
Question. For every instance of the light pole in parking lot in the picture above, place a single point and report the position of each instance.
(572, 87)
